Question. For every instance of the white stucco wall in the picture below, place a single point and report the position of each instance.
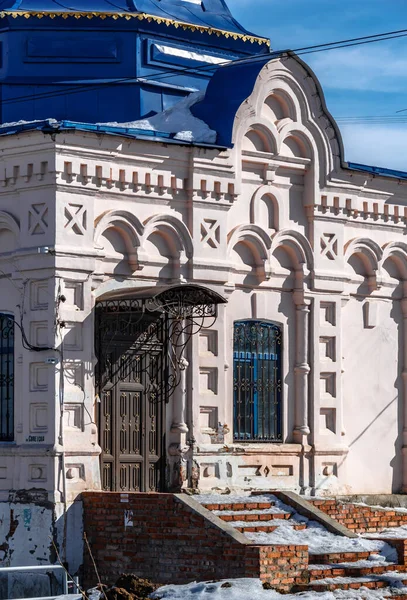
(372, 399)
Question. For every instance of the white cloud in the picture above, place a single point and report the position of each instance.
(377, 145)
(366, 68)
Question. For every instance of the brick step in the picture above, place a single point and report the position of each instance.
(339, 571)
(371, 584)
(254, 516)
(255, 528)
(338, 557)
(239, 506)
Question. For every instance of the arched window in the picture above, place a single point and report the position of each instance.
(6, 378)
(257, 381)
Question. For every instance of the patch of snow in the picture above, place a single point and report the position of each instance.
(252, 589)
(399, 509)
(177, 119)
(22, 122)
(321, 541)
(274, 510)
(196, 56)
(232, 498)
(272, 523)
(390, 532)
(377, 559)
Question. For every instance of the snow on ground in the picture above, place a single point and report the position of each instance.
(252, 589)
(177, 119)
(374, 560)
(316, 537)
(390, 532)
(321, 541)
(397, 509)
(235, 498)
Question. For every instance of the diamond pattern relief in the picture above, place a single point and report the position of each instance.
(329, 245)
(37, 219)
(210, 233)
(75, 215)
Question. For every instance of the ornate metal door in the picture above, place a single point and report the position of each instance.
(131, 364)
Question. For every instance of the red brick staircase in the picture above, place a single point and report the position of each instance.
(330, 571)
(249, 517)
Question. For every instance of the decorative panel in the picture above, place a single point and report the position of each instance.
(328, 384)
(327, 420)
(208, 417)
(39, 295)
(73, 336)
(208, 380)
(39, 373)
(39, 333)
(327, 348)
(37, 472)
(38, 417)
(328, 313)
(208, 343)
(73, 291)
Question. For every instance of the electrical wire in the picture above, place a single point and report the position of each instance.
(168, 73)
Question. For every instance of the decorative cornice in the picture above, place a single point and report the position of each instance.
(140, 16)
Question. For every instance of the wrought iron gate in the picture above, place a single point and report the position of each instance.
(131, 364)
(140, 340)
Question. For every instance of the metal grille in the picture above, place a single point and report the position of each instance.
(6, 378)
(257, 381)
(132, 361)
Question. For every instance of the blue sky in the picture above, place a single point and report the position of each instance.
(360, 81)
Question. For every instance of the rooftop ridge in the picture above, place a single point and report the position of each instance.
(141, 16)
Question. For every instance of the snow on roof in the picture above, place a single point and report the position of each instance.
(177, 120)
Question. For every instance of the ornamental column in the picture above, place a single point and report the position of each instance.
(179, 402)
(302, 368)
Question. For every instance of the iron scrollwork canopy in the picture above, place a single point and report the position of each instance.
(158, 317)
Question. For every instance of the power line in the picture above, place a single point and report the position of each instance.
(257, 57)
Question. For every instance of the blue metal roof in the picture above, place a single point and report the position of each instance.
(228, 89)
(205, 13)
(382, 172)
(51, 126)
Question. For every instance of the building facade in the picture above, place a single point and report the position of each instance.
(118, 252)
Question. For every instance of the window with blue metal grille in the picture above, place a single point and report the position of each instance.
(257, 386)
(6, 378)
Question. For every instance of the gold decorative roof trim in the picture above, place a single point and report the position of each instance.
(140, 16)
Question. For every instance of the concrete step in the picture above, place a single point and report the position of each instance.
(339, 557)
(253, 516)
(238, 506)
